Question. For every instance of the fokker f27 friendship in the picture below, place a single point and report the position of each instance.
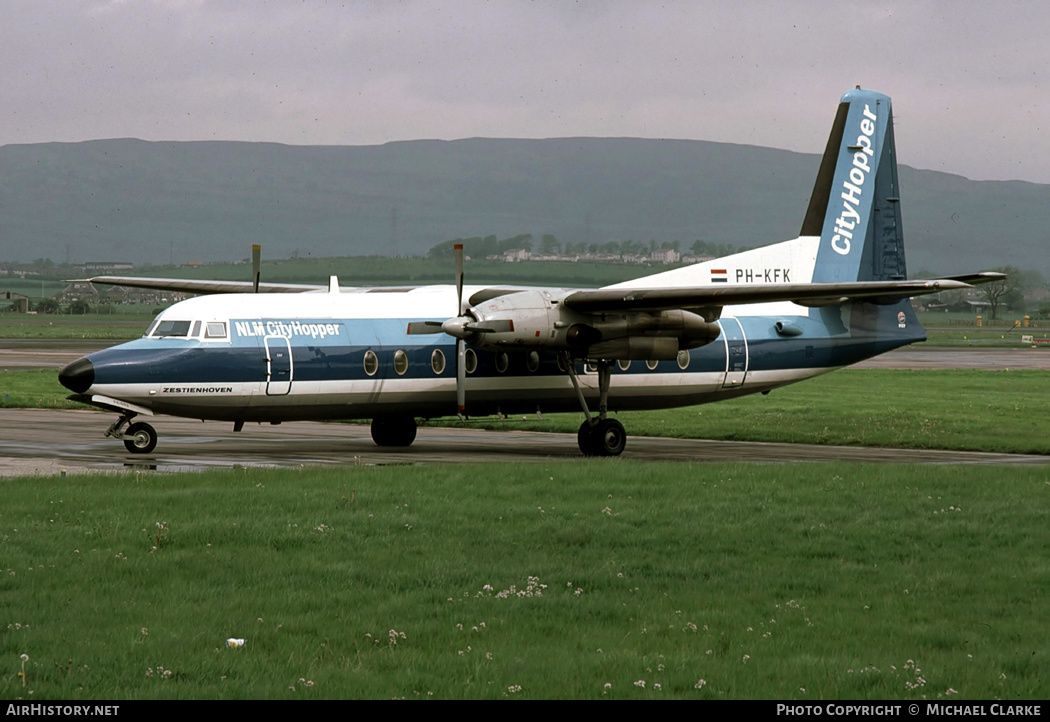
(715, 330)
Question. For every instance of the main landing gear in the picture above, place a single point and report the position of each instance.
(393, 430)
(599, 436)
(139, 438)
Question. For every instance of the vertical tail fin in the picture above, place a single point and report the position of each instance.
(855, 206)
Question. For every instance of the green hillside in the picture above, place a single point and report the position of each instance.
(158, 202)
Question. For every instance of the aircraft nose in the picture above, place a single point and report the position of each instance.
(78, 376)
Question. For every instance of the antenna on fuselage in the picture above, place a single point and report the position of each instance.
(256, 266)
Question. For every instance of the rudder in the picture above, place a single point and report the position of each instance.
(855, 205)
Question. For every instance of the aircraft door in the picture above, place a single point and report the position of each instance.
(278, 366)
(737, 356)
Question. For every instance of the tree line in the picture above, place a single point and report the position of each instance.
(484, 246)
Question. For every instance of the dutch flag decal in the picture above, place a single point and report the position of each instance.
(718, 275)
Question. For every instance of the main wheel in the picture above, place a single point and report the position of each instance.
(605, 438)
(393, 430)
(140, 438)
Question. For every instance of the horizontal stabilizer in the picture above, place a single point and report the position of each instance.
(976, 279)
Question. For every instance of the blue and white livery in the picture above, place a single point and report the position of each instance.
(737, 325)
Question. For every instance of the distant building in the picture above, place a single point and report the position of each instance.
(79, 291)
(665, 255)
(107, 266)
(516, 254)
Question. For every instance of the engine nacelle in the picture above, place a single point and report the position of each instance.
(691, 330)
(535, 319)
(515, 320)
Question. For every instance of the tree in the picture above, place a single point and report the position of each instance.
(48, 305)
(999, 292)
(550, 244)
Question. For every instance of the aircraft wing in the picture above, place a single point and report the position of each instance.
(804, 294)
(203, 287)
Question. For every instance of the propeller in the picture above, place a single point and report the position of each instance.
(463, 327)
(256, 266)
(458, 327)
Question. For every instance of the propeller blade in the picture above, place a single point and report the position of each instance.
(461, 344)
(458, 249)
(461, 376)
(256, 266)
(415, 327)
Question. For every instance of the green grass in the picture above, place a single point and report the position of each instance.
(566, 580)
(984, 337)
(126, 325)
(35, 389)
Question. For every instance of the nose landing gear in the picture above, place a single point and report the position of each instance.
(140, 437)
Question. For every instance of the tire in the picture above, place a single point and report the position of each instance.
(611, 438)
(140, 438)
(605, 438)
(393, 430)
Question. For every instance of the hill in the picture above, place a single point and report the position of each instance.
(151, 202)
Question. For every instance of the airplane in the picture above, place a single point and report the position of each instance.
(742, 324)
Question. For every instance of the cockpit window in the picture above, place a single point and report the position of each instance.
(171, 328)
(215, 329)
(152, 325)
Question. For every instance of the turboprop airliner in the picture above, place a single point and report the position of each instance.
(742, 324)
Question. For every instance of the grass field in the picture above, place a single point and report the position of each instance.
(116, 327)
(570, 580)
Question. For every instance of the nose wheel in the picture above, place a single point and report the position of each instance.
(140, 438)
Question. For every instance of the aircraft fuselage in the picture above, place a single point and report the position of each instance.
(349, 356)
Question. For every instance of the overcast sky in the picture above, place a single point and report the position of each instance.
(967, 77)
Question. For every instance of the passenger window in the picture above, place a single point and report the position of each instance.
(400, 362)
(371, 362)
(437, 362)
(215, 329)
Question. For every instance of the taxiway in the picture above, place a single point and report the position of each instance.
(51, 441)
